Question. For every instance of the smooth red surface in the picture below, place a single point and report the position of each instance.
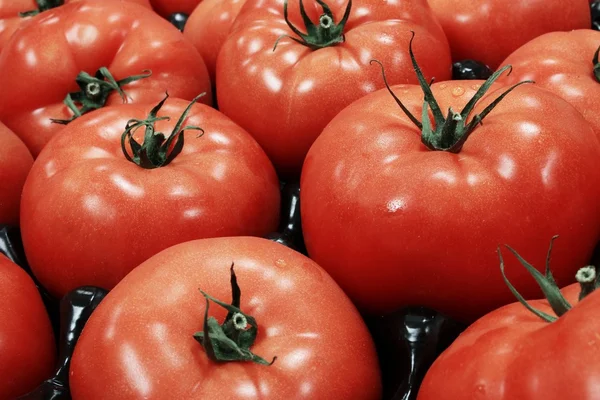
(396, 224)
(10, 20)
(562, 63)
(139, 344)
(89, 216)
(512, 354)
(15, 163)
(208, 27)
(168, 7)
(284, 98)
(26, 340)
(39, 66)
(489, 30)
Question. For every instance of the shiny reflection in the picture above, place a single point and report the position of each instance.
(96, 206)
(530, 129)
(50, 168)
(549, 167)
(305, 388)
(83, 34)
(218, 137)
(272, 331)
(396, 204)
(192, 213)
(305, 86)
(219, 171)
(224, 16)
(507, 166)
(96, 152)
(168, 351)
(179, 191)
(472, 179)
(264, 388)
(385, 39)
(134, 370)
(50, 21)
(368, 87)
(155, 44)
(291, 57)
(285, 283)
(110, 328)
(308, 335)
(271, 80)
(31, 58)
(296, 358)
(255, 46)
(445, 176)
(349, 64)
(361, 12)
(246, 389)
(365, 56)
(126, 186)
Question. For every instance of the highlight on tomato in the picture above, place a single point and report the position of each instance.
(226, 318)
(118, 52)
(489, 31)
(404, 203)
(27, 349)
(541, 349)
(566, 63)
(122, 183)
(287, 69)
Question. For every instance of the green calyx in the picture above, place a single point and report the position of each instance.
(326, 33)
(586, 276)
(596, 65)
(451, 132)
(95, 91)
(231, 340)
(156, 150)
(43, 5)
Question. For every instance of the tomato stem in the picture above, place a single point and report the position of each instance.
(596, 65)
(43, 5)
(95, 91)
(451, 132)
(232, 340)
(156, 150)
(588, 279)
(326, 33)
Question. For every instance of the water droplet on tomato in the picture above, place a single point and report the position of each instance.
(475, 87)
(458, 91)
(443, 86)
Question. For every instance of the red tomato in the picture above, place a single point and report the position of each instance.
(10, 19)
(15, 163)
(122, 36)
(562, 63)
(489, 30)
(168, 7)
(26, 340)
(397, 224)
(139, 342)
(285, 97)
(208, 27)
(513, 354)
(89, 216)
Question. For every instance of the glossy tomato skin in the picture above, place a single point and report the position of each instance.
(513, 354)
(10, 20)
(15, 163)
(208, 27)
(489, 30)
(562, 63)
(125, 37)
(168, 7)
(26, 340)
(284, 98)
(146, 324)
(89, 216)
(396, 224)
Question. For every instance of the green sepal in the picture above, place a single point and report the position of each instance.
(95, 91)
(156, 150)
(325, 34)
(226, 342)
(42, 5)
(450, 132)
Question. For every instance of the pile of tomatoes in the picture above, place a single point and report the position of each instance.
(284, 199)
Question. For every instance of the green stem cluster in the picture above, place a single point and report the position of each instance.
(42, 5)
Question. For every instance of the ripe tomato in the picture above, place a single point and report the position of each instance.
(512, 353)
(89, 216)
(26, 340)
(10, 9)
(562, 62)
(168, 7)
(139, 343)
(35, 74)
(208, 27)
(285, 96)
(15, 163)
(489, 30)
(397, 224)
